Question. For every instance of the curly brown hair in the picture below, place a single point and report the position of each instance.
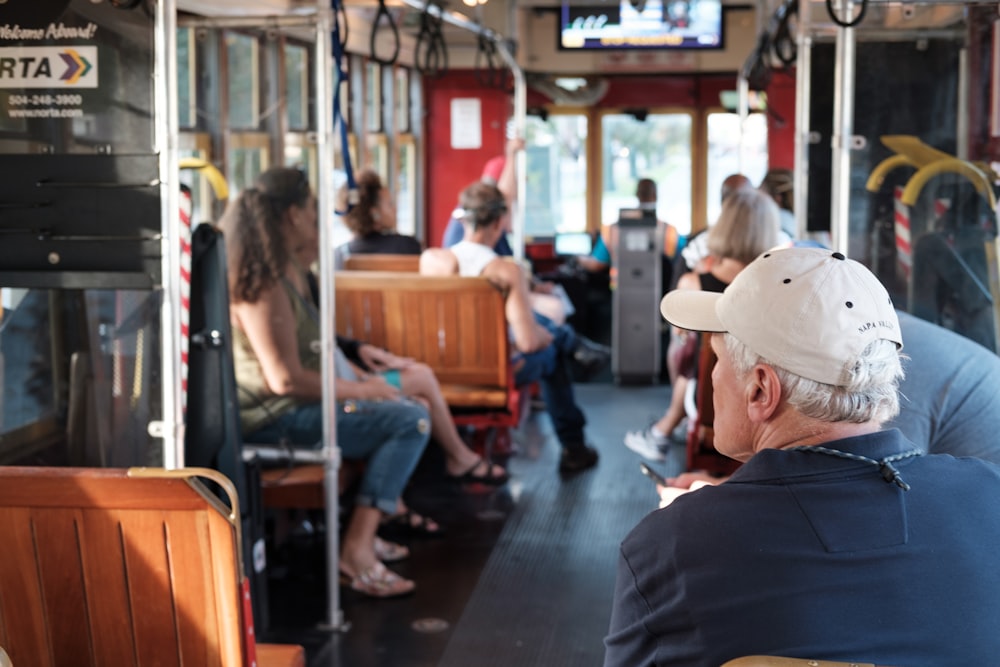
(251, 226)
(362, 217)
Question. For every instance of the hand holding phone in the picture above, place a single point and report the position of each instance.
(652, 474)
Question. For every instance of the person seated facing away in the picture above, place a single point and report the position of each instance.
(601, 257)
(500, 171)
(694, 256)
(543, 350)
(747, 226)
(276, 343)
(372, 221)
(836, 539)
(949, 399)
(779, 185)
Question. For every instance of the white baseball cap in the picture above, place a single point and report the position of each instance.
(810, 311)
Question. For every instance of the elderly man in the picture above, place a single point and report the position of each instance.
(836, 539)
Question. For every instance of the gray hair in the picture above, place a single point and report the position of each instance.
(871, 392)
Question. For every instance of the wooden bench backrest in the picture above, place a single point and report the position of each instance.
(382, 262)
(98, 568)
(455, 325)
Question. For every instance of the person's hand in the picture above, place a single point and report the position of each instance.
(694, 480)
(378, 359)
(685, 483)
(375, 388)
(514, 144)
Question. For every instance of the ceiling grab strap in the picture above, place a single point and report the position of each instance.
(487, 74)
(338, 117)
(383, 13)
(340, 24)
(433, 60)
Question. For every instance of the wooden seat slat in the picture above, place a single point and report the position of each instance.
(99, 568)
(382, 262)
(456, 325)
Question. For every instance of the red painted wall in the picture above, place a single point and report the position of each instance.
(781, 120)
(447, 170)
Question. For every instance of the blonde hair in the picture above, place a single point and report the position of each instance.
(747, 226)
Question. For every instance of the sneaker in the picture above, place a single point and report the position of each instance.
(577, 459)
(647, 444)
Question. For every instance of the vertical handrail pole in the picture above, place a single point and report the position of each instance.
(324, 195)
(843, 131)
(518, 215)
(171, 428)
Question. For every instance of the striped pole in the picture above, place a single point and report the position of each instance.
(186, 208)
(904, 250)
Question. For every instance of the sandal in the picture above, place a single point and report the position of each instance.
(468, 477)
(390, 552)
(378, 581)
(416, 524)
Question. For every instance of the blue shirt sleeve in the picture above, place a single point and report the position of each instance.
(600, 251)
(453, 233)
(503, 248)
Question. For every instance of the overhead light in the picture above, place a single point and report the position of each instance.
(473, 3)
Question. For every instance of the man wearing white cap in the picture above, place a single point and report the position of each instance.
(835, 540)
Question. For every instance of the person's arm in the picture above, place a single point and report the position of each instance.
(529, 336)
(507, 183)
(269, 324)
(628, 642)
(378, 359)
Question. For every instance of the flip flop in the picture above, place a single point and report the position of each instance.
(378, 581)
(469, 476)
(390, 552)
(415, 524)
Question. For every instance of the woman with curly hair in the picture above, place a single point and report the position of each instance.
(372, 220)
(276, 350)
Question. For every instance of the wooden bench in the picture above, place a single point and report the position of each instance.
(382, 262)
(455, 325)
(127, 568)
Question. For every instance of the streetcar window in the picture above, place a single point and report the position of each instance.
(556, 192)
(658, 147)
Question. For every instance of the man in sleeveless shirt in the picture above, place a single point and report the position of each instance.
(836, 540)
(543, 349)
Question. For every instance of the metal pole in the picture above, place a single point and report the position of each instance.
(800, 176)
(743, 108)
(324, 194)
(520, 124)
(843, 132)
(171, 427)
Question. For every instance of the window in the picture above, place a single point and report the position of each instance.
(198, 145)
(556, 190)
(297, 87)
(248, 156)
(186, 94)
(244, 81)
(406, 187)
(725, 157)
(373, 97)
(659, 148)
(402, 100)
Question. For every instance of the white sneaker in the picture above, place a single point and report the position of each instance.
(647, 444)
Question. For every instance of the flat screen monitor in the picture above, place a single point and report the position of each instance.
(573, 243)
(642, 24)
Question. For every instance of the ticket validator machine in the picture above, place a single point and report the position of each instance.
(636, 321)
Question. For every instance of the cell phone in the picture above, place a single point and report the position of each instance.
(653, 475)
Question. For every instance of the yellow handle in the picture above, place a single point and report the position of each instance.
(211, 173)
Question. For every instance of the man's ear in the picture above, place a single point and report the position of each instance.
(763, 393)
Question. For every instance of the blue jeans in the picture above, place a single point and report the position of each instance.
(389, 436)
(548, 365)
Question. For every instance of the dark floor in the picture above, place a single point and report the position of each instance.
(524, 575)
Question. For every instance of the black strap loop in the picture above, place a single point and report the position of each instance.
(383, 14)
(433, 59)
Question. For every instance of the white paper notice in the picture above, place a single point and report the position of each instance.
(466, 123)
